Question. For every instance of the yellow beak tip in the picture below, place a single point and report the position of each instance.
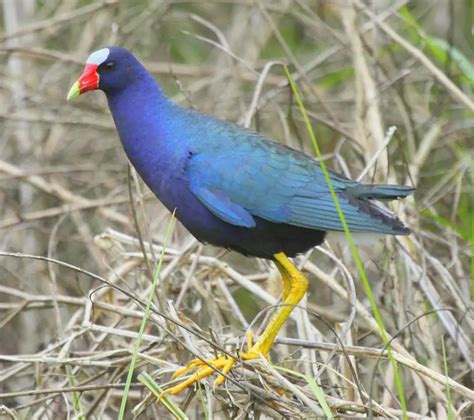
(74, 92)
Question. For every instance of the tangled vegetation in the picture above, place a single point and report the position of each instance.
(387, 87)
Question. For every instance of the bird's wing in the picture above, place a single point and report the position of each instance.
(219, 203)
(260, 178)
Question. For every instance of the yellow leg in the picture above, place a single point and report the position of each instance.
(295, 285)
(285, 280)
(298, 285)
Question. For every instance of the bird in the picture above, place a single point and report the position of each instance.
(232, 187)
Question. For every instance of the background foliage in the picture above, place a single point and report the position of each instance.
(362, 67)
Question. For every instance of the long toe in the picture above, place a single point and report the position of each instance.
(200, 369)
(221, 364)
(189, 367)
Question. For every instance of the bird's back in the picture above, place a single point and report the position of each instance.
(280, 184)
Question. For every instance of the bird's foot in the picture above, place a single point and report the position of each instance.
(222, 364)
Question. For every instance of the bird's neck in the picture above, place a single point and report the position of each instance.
(133, 105)
(140, 112)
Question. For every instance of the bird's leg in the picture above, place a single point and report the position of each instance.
(285, 280)
(295, 285)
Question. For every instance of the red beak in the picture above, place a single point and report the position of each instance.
(89, 80)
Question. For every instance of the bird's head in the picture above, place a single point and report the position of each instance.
(109, 69)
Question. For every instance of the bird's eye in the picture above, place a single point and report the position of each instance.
(110, 65)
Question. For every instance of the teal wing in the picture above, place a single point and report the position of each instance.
(259, 178)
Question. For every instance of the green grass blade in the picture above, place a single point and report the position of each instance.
(315, 389)
(76, 396)
(472, 229)
(358, 262)
(203, 403)
(155, 389)
(133, 362)
(448, 389)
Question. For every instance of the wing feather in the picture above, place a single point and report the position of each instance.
(281, 185)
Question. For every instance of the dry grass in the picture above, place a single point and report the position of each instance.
(77, 231)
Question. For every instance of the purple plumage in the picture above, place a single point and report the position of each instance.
(230, 186)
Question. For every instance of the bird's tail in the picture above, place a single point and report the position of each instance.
(381, 192)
